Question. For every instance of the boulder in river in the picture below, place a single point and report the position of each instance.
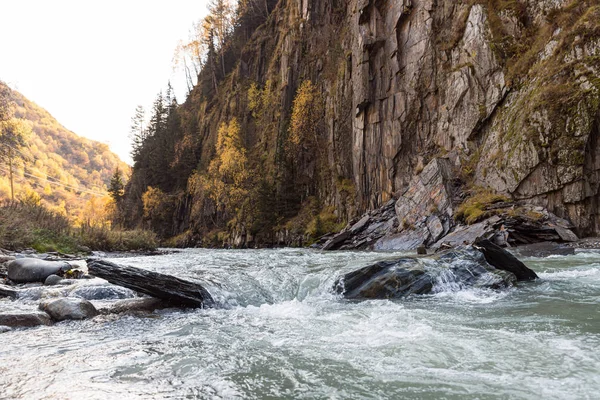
(478, 266)
(23, 270)
(69, 308)
(22, 319)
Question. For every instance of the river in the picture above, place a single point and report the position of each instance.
(279, 332)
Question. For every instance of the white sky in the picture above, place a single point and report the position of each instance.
(91, 62)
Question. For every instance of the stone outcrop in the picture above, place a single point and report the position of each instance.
(425, 216)
(483, 265)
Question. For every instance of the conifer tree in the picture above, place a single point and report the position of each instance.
(137, 132)
(116, 189)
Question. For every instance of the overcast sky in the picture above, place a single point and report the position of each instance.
(89, 62)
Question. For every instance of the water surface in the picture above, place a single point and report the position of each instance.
(280, 332)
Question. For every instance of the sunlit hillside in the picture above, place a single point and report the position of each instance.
(69, 173)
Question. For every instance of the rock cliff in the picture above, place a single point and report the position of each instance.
(505, 93)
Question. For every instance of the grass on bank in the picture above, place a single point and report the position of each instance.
(24, 225)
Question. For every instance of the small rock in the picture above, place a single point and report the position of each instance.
(20, 320)
(69, 308)
(4, 329)
(52, 280)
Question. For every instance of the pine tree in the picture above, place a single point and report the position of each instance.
(116, 190)
(138, 132)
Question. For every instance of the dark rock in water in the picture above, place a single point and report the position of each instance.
(19, 320)
(4, 329)
(104, 292)
(69, 308)
(502, 259)
(454, 269)
(7, 291)
(175, 290)
(386, 280)
(24, 270)
(140, 305)
(52, 280)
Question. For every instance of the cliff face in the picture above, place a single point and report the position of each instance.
(508, 91)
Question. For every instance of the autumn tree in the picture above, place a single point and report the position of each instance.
(190, 55)
(221, 19)
(304, 146)
(13, 133)
(227, 173)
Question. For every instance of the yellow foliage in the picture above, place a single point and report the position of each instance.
(153, 199)
(306, 115)
(227, 174)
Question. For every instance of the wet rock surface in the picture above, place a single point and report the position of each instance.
(483, 265)
(24, 319)
(69, 308)
(24, 270)
(140, 305)
(175, 290)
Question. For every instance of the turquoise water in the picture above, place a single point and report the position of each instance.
(280, 332)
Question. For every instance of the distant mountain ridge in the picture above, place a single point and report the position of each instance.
(67, 171)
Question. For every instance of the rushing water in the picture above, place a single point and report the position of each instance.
(279, 332)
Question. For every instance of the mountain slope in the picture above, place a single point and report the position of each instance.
(69, 173)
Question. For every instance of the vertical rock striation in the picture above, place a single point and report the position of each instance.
(506, 93)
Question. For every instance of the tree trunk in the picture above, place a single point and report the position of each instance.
(176, 291)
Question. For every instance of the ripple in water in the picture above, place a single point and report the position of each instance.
(282, 333)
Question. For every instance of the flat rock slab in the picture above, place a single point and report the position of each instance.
(20, 320)
(23, 270)
(177, 291)
(69, 308)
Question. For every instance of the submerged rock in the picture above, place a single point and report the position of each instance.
(102, 292)
(23, 270)
(484, 265)
(53, 280)
(139, 305)
(22, 319)
(69, 308)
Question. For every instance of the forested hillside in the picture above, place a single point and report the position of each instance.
(306, 114)
(66, 172)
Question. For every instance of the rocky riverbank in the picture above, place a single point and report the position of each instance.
(42, 289)
(434, 212)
